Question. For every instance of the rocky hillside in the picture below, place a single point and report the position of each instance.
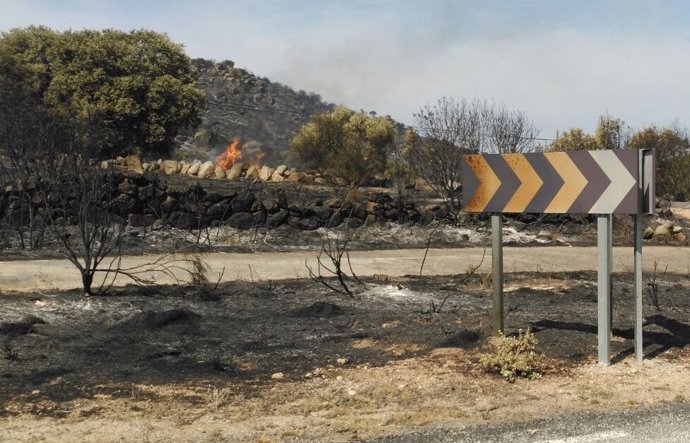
(262, 114)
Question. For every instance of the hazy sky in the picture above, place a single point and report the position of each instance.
(562, 62)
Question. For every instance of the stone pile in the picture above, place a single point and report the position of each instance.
(238, 171)
(667, 230)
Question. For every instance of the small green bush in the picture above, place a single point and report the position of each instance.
(514, 356)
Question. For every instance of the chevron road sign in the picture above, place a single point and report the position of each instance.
(586, 182)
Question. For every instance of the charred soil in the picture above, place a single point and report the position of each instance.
(290, 360)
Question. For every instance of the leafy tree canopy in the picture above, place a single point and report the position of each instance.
(672, 159)
(671, 145)
(574, 139)
(611, 133)
(354, 145)
(137, 87)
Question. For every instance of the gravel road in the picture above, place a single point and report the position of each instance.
(45, 275)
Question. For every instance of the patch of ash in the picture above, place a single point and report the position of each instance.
(395, 291)
(423, 301)
(386, 235)
(512, 235)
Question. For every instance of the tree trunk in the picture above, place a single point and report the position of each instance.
(87, 281)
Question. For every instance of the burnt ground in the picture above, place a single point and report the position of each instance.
(60, 348)
(292, 360)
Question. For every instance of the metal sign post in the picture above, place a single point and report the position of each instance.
(604, 287)
(638, 289)
(497, 269)
(646, 195)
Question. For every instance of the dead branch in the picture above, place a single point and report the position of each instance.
(330, 259)
(428, 244)
(466, 277)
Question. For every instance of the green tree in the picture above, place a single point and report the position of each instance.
(354, 145)
(138, 87)
(611, 133)
(672, 159)
(574, 139)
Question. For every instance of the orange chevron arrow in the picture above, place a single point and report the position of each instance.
(488, 183)
(574, 182)
(530, 182)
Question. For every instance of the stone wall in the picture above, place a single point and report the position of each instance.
(153, 199)
(196, 194)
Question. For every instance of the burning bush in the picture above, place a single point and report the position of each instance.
(234, 153)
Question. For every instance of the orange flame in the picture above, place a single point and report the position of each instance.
(230, 156)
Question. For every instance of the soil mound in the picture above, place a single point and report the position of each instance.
(22, 327)
(156, 320)
(320, 309)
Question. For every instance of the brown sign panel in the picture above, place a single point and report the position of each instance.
(586, 182)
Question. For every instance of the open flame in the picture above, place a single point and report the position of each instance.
(234, 153)
(231, 155)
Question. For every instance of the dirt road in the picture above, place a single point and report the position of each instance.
(46, 275)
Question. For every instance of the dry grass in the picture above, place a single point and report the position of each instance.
(444, 387)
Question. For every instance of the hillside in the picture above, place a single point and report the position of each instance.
(264, 115)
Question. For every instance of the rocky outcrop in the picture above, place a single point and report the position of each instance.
(264, 115)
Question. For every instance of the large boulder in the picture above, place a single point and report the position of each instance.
(306, 224)
(265, 173)
(134, 164)
(354, 222)
(194, 168)
(219, 211)
(664, 230)
(170, 167)
(270, 204)
(235, 171)
(184, 220)
(322, 213)
(206, 169)
(277, 219)
(140, 220)
(219, 172)
(243, 220)
(168, 204)
(277, 177)
(243, 202)
(359, 211)
(295, 177)
(184, 167)
(252, 172)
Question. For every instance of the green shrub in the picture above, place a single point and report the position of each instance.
(514, 356)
